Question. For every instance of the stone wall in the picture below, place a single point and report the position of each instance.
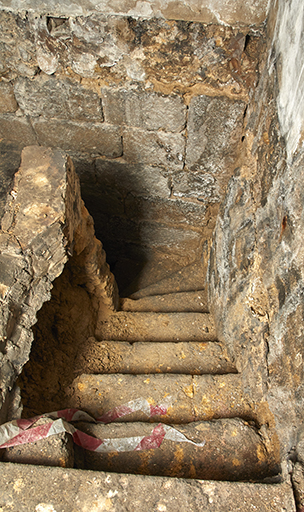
(256, 268)
(44, 224)
(150, 110)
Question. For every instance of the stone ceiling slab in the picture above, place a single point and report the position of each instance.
(228, 12)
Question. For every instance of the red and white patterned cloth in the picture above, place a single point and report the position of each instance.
(23, 431)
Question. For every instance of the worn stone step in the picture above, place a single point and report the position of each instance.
(189, 278)
(45, 489)
(194, 358)
(172, 302)
(168, 398)
(225, 449)
(130, 326)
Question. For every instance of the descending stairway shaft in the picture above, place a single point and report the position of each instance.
(164, 369)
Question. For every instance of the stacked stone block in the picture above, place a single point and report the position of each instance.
(154, 163)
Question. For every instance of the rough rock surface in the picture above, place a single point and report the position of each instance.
(256, 266)
(9, 164)
(44, 222)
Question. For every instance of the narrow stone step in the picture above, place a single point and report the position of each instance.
(46, 489)
(190, 278)
(125, 326)
(194, 358)
(165, 397)
(172, 302)
(226, 449)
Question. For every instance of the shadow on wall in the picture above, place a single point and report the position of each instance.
(108, 198)
(137, 219)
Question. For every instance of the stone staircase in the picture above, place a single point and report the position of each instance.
(165, 367)
(170, 403)
(167, 393)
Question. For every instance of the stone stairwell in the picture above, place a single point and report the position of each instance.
(168, 381)
(166, 391)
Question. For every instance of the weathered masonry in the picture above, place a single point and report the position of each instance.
(151, 255)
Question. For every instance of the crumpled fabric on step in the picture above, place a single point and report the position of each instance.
(22, 431)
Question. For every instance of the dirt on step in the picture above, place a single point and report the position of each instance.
(192, 358)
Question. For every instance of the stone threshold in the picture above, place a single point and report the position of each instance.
(53, 489)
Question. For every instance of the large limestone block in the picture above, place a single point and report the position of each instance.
(50, 97)
(50, 489)
(17, 129)
(170, 211)
(153, 357)
(55, 450)
(148, 326)
(172, 398)
(96, 138)
(154, 148)
(139, 109)
(214, 133)
(214, 128)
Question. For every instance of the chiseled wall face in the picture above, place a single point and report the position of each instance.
(230, 12)
(289, 57)
(256, 268)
